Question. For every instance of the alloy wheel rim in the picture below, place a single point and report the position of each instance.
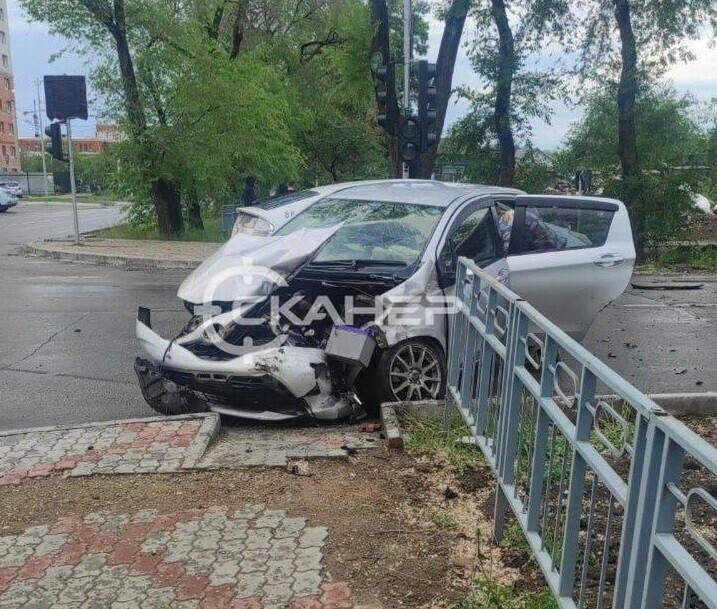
(415, 373)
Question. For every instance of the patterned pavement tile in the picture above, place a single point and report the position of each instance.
(244, 447)
(213, 558)
(163, 445)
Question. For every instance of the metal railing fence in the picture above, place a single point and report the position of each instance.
(616, 498)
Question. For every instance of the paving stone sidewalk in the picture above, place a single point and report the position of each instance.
(165, 445)
(122, 447)
(212, 558)
(234, 448)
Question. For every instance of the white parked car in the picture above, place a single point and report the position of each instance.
(270, 214)
(349, 301)
(12, 187)
(6, 200)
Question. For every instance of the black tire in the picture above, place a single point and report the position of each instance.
(380, 385)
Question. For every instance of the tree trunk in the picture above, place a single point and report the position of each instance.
(168, 205)
(627, 130)
(503, 92)
(446, 62)
(164, 194)
(194, 212)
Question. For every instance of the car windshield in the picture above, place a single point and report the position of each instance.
(373, 232)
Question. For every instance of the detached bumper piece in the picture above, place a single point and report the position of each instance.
(165, 396)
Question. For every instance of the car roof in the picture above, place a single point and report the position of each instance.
(422, 192)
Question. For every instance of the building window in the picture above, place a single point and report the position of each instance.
(12, 151)
(2, 37)
(5, 61)
(8, 106)
(2, 127)
(8, 84)
(12, 129)
(2, 14)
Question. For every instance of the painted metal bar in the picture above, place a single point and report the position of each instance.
(501, 326)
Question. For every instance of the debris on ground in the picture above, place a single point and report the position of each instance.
(668, 286)
(370, 427)
(298, 468)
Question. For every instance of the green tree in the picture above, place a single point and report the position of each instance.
(511, 92)
(667, 132)
(651, 36)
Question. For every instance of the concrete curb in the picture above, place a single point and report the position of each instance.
(159, 419)
(393, 412)
(391, 427)
(131, 263)
(208, 430)
(684, 404)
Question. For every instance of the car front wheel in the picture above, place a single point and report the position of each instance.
(411, 370)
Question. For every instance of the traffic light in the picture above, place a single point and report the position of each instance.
(54, 148)
(385, 81)
(427, 104)
(410, 139)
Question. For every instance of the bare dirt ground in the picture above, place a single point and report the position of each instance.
(702, 227)
(378, 509)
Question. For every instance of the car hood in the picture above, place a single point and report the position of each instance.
(248, 266)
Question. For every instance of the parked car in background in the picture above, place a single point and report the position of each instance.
(11, 187)
(268, 215)
(363, 280)
(6, 201)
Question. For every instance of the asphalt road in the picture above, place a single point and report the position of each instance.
(67, 331)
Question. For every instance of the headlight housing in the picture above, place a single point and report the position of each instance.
(250, 224)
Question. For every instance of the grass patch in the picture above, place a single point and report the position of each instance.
(513, 538)
(487, 594)
(699, 257)
(443, 520)
(428, 437)
(212, 232)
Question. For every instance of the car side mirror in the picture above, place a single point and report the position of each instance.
(446, 265)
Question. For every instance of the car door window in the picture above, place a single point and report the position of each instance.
(549, 229)
(505, 216)
(475, 238)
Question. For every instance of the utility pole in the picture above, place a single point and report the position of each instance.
(407, 50)
(73, 189)
(38, 82)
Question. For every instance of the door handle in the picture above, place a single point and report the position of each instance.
(609, 260)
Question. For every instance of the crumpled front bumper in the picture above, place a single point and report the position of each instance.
(270, 384)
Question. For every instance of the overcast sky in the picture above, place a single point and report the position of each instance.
(32, 48)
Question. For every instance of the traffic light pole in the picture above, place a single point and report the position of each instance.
(73, 189)
(42, 141)
(407, 47)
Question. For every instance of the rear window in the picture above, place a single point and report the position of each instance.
(281, 200)
(564, 228)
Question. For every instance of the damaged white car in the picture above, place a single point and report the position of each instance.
(349, 302)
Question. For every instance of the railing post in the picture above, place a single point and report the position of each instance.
(576, 485)
(642, 506)
(454, 362)
(664, 509)
(510, 410)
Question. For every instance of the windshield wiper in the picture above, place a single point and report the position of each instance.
(356, 264)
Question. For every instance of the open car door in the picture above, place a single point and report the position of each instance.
(570, 257)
